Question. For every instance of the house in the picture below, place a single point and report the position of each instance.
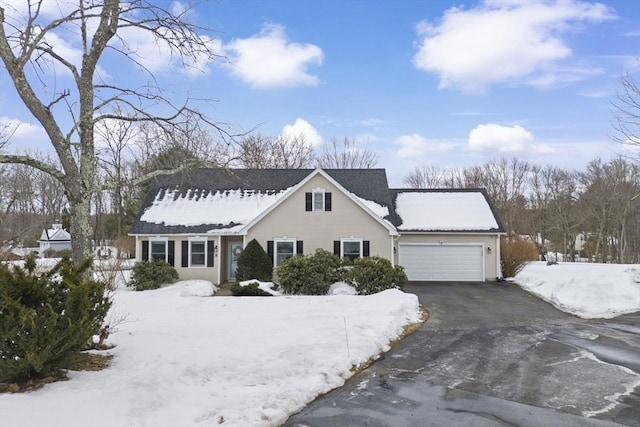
(200, 220)
(55, 239)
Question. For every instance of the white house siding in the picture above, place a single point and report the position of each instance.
(320, 229)
(491, 269)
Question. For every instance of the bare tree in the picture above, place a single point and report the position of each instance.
(627, 108)
(283, 152)
(432, 176)
(611, 204)
(28, 50)
(347, 156)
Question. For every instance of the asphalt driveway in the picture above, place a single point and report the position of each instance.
(493, 355)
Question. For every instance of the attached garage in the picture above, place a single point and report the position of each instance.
(447, 235)
(442, 262)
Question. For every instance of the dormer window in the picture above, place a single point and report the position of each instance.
(318, 200)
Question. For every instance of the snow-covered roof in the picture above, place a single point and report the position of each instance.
(441, 210)
(225, 201)
(229, 210)
(57, 234)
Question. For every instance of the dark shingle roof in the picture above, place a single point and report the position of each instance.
(368, 184)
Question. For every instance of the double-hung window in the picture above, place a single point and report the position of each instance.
(351, 248)
(197, 253)
(158, 249)
(318, 201)
(284, 249)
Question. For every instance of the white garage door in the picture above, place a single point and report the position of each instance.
(428, 262)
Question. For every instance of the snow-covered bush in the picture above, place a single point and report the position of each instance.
(515, 253)
(250, 289)
(371, 275)
(47, 319)
(152, 274)
(254, 263)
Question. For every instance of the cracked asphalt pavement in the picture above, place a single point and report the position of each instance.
(493, 355)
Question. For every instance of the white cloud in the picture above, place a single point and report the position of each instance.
(302, 128)
(270, 60)
(21, 131)
(415, 145)
(503, 139)
(502, 41)
(23, 136)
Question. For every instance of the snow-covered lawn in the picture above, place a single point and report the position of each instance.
(584, 289)
(183, 358)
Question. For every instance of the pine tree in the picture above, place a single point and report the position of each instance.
(47, 319)
(254, 263)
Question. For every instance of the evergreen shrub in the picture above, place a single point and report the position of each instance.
(311, 274)
(250, 289)
(254, 263)
(151, 274)
(371, 275)
(47, 319)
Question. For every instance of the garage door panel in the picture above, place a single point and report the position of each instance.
(442, 262)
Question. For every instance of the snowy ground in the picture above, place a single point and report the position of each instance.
(583, 289)
(183, 358)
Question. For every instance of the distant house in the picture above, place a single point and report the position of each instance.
(55, 239)
(199, 221)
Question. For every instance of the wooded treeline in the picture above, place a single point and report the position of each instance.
(591, 214)
(31, 200)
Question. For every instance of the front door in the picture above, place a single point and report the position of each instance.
(233, 252)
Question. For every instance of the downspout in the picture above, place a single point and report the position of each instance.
(498, 266)
(219, 255)
(393, 252)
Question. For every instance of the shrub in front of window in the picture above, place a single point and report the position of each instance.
(251, 290)
(327, 265)
(152, 274)
(371, 275)
(311, 274)
(515, 253)
(254, 263)
(47, 319)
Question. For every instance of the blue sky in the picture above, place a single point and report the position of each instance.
(448, 83)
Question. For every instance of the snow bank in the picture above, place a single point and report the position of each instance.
(583, 289)
(185, 359)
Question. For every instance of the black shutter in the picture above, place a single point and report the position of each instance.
(365, 248)
(299, 247)
(308, 198)
(336, 247)
(145, 250)
(171, 256)
(270, 249)
(210, 250)
(327, 202)
(185, 253)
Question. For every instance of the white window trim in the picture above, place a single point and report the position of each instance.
(165, 241)
(313, 199)
(351, 239)
(198, 240)
(275, 248)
